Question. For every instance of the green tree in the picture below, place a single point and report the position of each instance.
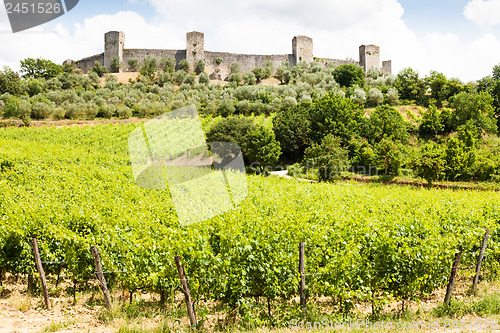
(334, 114)
(389, 157)
(184, 65)
(115, 65)
(149, 67)
(348, 75)
(257, 143)
(235, 68)
(133, 63)
(410, 86)
(292, 129)
(99, 69)
(432, 122)
(477, 108)
(200, 67)
(430, 163)
(387, 123)
(10, 82)
(40, 68)
(328, 157)
(204, 79)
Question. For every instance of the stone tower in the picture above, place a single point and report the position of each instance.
(302, 49)
(369, 57)
(387, 67)
(195, 48)
(114, 42)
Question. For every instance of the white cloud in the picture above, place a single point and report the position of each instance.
(483, 12)
(338, 27)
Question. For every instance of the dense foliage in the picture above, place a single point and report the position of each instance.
(72, 188)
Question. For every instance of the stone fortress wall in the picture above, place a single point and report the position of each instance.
(217, 64)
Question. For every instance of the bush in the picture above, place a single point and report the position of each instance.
(289, 102)
(328, 157)
(375, 97)
(389, 157)
(235, 68)
(41, 110)
(430, 163)
(477, 108)
(11, 108)
(200, 67)
(133, 64)
(349, 75)
(387, 123)
(179, 77)
(204, 79)
(149, 67)
(235, 78)
(409, 85)
(359, 96)
(10, 82)
(392, 96)
(257, 143)
(99, 69)
(226, 107)
(335, 115)
(124, 112)
(249, 79)
(115, 65)
(432, 123)
(184, 65)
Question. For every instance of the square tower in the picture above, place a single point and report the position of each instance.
(114, 43)
(195, 48)
(369, 57)
(302, 49)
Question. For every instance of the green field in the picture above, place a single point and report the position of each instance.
(72, 187)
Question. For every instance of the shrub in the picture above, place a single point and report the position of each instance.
(328, 157)
(41, 110)
(133, 64)
(432, 122)
(477, 108)
(200, 67)
(387, 123)
(235, 78)
(99, 69)
(392, 96)
(184, 65)
(409, 85)
(257, 143)
(124, 112)
(244, 107)
(164, 78)
(204, 79)
(429, 163)
(10, 82)
(389, 157)
(289, 102)
(235, 68)
(11, 108)
(249, 79)
(226, 107)
(349, 75)
(34, 87)
(359, 96)
(189, 80)
(115, 65)
(375, 97)
(149, 67)
(179, 77)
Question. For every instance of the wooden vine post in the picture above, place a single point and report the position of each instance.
(187, 293)
(302, 271)
(453, 274)
(41, 272)
(100, 277)
(480, 261)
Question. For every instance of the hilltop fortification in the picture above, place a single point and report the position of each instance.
(217, 64)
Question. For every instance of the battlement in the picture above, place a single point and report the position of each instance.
(217, 64)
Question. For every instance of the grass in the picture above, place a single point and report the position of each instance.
(57, 326)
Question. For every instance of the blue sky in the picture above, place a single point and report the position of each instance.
(460, 38)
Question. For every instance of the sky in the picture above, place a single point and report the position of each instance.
(460, 38)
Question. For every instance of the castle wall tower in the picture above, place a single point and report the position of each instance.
(114, 43)
(302, 49)
(369, 57)
(195, 48)
(387, 67)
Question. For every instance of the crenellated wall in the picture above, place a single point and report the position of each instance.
(217, 64)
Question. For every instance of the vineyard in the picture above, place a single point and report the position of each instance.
(73, 187)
